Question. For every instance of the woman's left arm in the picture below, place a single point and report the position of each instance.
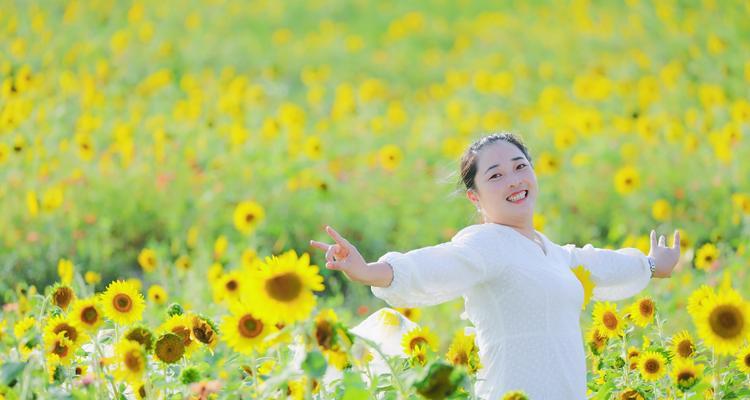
(622, 273)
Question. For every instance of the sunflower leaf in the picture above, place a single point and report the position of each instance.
(314, 364)
(9, 372)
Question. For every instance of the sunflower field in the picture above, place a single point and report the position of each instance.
(163, 166)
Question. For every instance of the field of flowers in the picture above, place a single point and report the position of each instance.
(165, 164)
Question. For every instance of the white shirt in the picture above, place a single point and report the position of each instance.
(524, 304)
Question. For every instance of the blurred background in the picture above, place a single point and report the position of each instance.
(154, 140)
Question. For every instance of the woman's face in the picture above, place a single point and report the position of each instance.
(506, 187)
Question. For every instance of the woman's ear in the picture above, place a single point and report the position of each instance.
(472, 195)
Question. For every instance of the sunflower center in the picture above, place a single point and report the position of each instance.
(232, 285)
(685, 348)
(324, 334)
(70, 332)
(285, 287)
(204, 333)
(122, 302)
(60, 350)
(726, 321)
(746, 360)
(417, 341)
(462, 358)
(169, 348)
(249, 217)
(651, 366)
(609, 320)
(646, 308)
(685, 376)
(133, 361)
(89, 315)
(62, 297)
(250, 327)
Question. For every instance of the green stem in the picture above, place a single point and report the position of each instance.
(395, 376)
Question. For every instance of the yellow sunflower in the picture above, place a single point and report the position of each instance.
(596, 340)
(204, 331)
(584, 276)
(652, 365)
(325, 329)
(147, 260)
(683, 345)
(390, 157)
(419, 336)
(418, 355)
(743, 359)
(181, 325)
(605, 317)
(62, 296)
(87, 313)
(169, 348)
(157, 294)
(243, 330)
(685, 373)
(73, 332)
(463, 351)
(698, 299)
(630, 394)
(706, 256)
(282, 291)
(131, 361)
(633, 354)
(247, 216)
(122, 303)
(627, 179)
(58, 347)
(724, 322)
(515, 395)
(414, 314)
(228, 287)
(642, 312)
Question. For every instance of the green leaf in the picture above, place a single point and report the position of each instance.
(314, 364)
(9, 372)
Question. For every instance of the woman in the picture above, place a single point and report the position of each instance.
(519, 290)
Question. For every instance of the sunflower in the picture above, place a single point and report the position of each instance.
(685, 373)
(157, 294)
(630, 394)
(724, 322)
(605, 317)
(706, 256)
(247, 216)
(65, 269)
(743, 359)
(169, 348)
(683, 345)
(58, 348)
(180, 325)
(71, 330)
(419, 336)
(62, 296)
(652, 365)
(414, 314)
(633, 354)
(131, 361)
(122, 303)
(390, 157)
(204, 331)
(463, 351)
(243, 330)
(698, 299)
(418, 355)
(229, 286)
(584, 276)
(515, 395)
(596, 340)
(282, 290)
(627, 179)
(642, 312)
(141, 335)
(325, 329)
(147, 260)
(87, 313)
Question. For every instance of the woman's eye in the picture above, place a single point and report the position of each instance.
(494, 176)
(520, 166)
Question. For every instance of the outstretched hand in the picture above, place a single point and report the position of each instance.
(665, 257)
(343, 256)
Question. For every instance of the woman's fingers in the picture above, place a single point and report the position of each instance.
(320, 245)
(676, 244)
(662, 241)
(653, 239)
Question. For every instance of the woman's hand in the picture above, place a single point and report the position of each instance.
(343, 256)
(665, 257)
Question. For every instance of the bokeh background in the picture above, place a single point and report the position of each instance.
(174, 143)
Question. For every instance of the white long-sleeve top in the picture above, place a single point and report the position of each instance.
(524, 304)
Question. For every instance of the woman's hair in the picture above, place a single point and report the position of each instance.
(469, 159)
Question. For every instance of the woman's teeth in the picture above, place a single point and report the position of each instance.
(519, 196)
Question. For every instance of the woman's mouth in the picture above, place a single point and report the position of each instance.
(518, 197)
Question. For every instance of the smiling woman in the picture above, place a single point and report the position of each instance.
(519, 287)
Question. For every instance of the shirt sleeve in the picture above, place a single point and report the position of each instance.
(435, 274)
(617, 274)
